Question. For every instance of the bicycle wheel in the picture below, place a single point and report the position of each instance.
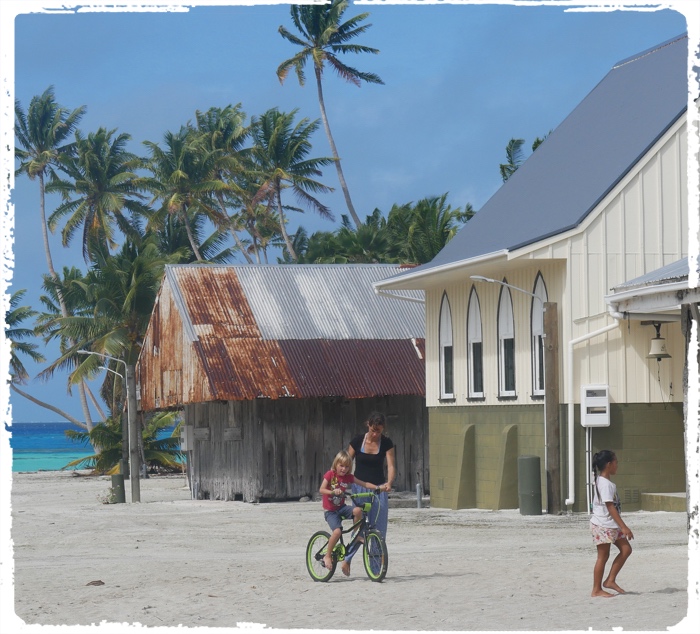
(315, 552)
(375, 556)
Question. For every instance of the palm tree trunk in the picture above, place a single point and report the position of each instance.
(283, 229)
(44, 227)
(190, 237)
(54, 276)
(341, 176)
(95, 402)
(48, 406)
(234, 233)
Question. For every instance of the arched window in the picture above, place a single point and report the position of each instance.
(537, 329)
(506, 344)
(446, 350)
(475, 357)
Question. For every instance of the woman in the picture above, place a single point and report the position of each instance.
(370, 450)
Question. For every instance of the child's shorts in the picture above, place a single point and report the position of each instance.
(335, 518)
(604, 535)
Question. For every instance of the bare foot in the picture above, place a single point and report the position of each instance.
(602, 593)
(613, 586)
(328, 562)
(345, 567)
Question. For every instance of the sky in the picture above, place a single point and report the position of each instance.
(461, 80)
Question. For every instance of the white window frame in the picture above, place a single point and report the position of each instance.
(537, 335)
(474, 337)
(506, 342)
(446, 350)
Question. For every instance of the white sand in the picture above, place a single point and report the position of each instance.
(171, 560)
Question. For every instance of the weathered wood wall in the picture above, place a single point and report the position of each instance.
(280, 449)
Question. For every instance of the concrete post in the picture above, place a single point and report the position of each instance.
(134, 458)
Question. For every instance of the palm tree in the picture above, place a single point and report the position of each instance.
(171, 238)
(433, 227)
(280, 153)
(223, 133)
(43, 134)
(17, 335)
(184, 180)
(323, 37)
(101, 184)
(321, 247)
(111, 306)
(368, 243)
(514, 155)
(514, 158)
(419, 232)
(257, 218)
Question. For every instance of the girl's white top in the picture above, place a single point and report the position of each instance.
(608, 493)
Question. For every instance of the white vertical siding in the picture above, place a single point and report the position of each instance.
(641, 225)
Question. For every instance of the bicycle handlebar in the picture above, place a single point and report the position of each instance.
(363, 494)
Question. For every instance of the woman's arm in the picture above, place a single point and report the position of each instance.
(618, 520)
(391, 468)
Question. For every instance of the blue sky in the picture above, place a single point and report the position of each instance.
(461, 80)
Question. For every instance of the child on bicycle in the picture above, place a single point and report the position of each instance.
(335, 483)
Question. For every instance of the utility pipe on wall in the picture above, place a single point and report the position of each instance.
(570, 405)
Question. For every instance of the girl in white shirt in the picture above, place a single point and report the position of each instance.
(607, 526)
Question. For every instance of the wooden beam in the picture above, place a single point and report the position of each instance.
(551, 407)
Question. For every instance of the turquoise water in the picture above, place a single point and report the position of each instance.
(45, 446)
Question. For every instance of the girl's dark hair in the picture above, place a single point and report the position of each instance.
(603, 457)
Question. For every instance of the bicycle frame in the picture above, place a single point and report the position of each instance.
(363, 526)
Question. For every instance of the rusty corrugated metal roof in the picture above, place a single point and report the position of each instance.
(355, 368)
(321, 332)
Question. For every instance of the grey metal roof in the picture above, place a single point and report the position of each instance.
(328, 301)
(582, 159)
(674, 272)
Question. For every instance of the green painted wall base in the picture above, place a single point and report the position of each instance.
(674, 502)
(474, 451)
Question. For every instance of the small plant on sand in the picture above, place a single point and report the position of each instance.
(108, 498)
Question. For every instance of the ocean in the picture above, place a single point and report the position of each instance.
(45, 447)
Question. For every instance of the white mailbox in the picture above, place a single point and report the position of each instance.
(595, 406)
(186, 437)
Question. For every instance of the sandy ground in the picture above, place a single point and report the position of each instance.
(171, 560)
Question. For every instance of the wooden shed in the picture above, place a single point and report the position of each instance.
(275, 369)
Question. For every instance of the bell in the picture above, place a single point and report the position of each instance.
(658, 349)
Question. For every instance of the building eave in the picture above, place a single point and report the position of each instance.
(422, 278)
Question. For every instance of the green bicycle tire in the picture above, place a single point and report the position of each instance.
(375, 556)
(315, 551)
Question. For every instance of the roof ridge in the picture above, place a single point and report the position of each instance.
(650, 51)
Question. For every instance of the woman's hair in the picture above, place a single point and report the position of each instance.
(602, 458)
(376, 418)
(342, 457)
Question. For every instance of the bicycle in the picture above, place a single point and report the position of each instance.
(375, 555)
